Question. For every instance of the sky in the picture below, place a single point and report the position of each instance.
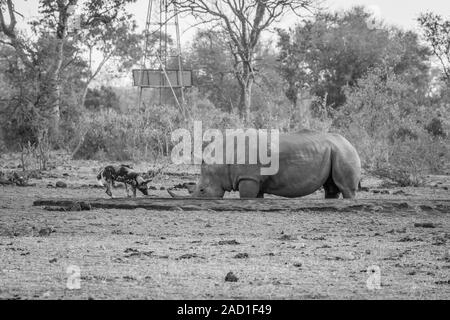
(402, 13)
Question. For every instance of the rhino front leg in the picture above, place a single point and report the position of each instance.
(249, 189)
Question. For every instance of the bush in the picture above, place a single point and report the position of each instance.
(389, 130)
(436, 128)
(411, 159)
(102, 98)
(134, 135)
(202, 109)
(3, 148)
(21, 123)
(144, 134)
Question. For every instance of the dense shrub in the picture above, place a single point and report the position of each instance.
(102, 98)
(382, 119)
(3, 148)
(202, 109)
(436, 128)
(125, 136)
(21, 124)
(144, 134)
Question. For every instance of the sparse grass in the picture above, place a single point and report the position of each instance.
(326, 257)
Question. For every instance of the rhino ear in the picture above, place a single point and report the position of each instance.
(190, 186)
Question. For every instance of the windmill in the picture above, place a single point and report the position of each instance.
(157, 69)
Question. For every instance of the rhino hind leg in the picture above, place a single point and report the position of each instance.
(346, 179)
(349, 193)
(331, 189)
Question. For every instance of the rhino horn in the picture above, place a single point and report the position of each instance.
(190, 186)
(175, 195)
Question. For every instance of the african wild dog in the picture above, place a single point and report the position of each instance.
(125, 174)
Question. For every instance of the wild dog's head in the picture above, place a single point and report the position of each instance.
(142, 185)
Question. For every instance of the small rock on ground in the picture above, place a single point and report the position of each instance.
(231, 277)
(61, 184)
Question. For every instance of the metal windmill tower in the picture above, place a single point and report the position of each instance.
(161, 66)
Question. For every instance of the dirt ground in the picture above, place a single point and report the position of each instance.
(179, 254)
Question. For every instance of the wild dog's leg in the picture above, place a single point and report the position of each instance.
(108, 188)
(134, 190)
(126, 188)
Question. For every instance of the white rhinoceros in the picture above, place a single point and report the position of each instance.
(308, 160)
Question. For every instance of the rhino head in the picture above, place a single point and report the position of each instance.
(210, 184)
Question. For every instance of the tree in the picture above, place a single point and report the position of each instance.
(59, 10)
(209, 56)
(437, 33)
(117, 39)
(242, 22)
(37, 62)
(336, 49)
(103, 97)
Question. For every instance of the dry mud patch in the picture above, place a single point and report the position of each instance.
(174, 254)
(185, 252)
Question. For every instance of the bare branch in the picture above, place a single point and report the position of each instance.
(243, 22)
(437, 33)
